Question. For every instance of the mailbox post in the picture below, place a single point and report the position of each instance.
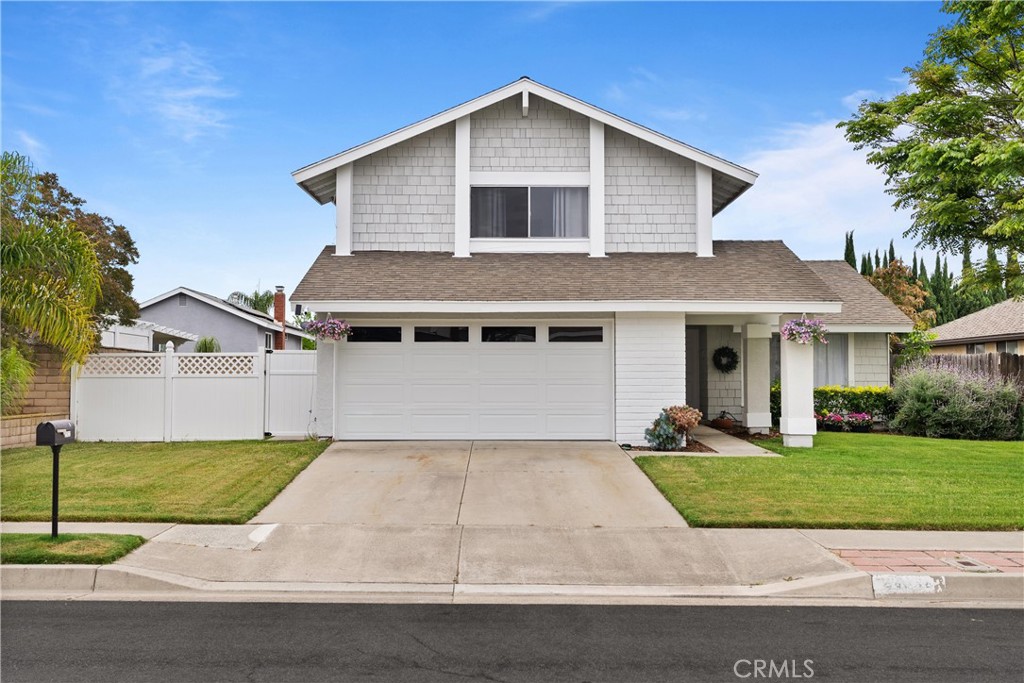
(55, 434)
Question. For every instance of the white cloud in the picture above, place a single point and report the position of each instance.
(853, 100)
(176, 86)
(32, 147)
(814, 187)
(541, 11)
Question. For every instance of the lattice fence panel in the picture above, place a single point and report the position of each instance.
(216, 365)
(120, 365)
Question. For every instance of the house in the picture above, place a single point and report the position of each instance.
(528, 266)
(996, 329)
(236, 327)
(143, 336)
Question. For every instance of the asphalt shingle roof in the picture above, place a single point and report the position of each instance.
(761, 271)
(862, 303)
(1002, 320)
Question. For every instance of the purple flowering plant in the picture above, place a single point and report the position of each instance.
(859, 419)
(805, 331)
(328, 328)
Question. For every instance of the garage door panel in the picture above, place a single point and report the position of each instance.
(369, 393)
(583, 364)
(578, 393)
(374, 426)
(434, 393)
(509, 364)
(575, 426)
(504, 393)
(454, 365)
(375, 362)
(509, 425)
(441, 424)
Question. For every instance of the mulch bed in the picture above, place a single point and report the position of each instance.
(742, 433)
(692, 446)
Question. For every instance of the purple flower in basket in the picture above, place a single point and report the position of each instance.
(805, 331)
(328, 328)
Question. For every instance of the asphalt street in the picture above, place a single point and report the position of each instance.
(148, 641)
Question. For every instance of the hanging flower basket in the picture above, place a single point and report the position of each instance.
(805, 331)
(328, 328)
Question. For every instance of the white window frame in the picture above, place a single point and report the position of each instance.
(508, 245)
(268, 340)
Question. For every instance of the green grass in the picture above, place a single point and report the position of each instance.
(66, 548)
(223, 482)
(852, 481)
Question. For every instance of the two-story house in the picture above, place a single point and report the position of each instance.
(529, 266)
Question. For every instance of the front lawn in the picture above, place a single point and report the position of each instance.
(66, 548)
(217, 482)
(852, 481)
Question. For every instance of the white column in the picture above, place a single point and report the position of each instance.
(596, 188)
(343, 209)
(705, 245)
(797, 374)
(170, 370)
(851, 368)
(757, 378)
(462, 141)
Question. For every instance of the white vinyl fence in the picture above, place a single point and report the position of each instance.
(193, 396)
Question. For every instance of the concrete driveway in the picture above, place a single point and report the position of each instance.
(575, 484)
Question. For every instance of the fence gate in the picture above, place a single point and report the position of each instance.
(193, 396)
(291, 387)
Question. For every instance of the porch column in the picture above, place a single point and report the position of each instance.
(797, 374)
(757, 378)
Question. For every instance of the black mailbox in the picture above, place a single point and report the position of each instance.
(55, 433)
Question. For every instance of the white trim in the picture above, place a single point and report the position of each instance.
(596, 220)
(529, 178)
(463, 130)
(343, 210)
(525, 86)
(851, 377)
(526, 103)
(463, 307)
(534, 245)
(705, 210)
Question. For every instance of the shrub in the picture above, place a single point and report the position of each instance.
(670, 428)
(207, 345)
(951, 403)
(878, 401)
(16, 373)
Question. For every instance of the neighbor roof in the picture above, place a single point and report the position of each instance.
(729, 180)
(862, 303)
(741, 271)
(1002, 321)
(264, 320)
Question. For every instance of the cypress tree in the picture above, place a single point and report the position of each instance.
(913, 269)
(850, 255)
(865, 265)
(892, 252)
(878, 260)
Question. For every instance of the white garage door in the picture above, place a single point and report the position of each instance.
(476, 380)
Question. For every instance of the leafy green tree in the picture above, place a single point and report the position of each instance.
(207, 345)
(256, 300)
(50, 276)
(951, 145)
(114, 246)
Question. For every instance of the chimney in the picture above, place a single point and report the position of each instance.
(279, 313)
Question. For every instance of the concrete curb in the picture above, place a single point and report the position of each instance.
(60, 582)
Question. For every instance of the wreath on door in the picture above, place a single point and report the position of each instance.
(725, 359)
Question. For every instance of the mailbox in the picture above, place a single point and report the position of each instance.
(55, 433)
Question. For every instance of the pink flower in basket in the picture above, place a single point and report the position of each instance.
(328, 328)
(805, 331)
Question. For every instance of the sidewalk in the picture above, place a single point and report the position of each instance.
(507, 564)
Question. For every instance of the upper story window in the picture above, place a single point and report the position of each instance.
(529, 212)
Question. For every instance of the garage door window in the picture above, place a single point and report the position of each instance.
(442, 334)
(508, 334)
(575, 334)
(376, 334)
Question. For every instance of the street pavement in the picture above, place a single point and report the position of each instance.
(146, 641)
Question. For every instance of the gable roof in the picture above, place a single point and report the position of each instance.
(264, 320)
(1002, 321)
(863, 305)
(732, 180)
(762, 272)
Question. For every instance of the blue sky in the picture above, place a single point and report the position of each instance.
(183, 121)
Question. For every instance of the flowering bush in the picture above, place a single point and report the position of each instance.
(859, 420)
(329, 328)
(684, 418)
(670, 429)
(804, 331)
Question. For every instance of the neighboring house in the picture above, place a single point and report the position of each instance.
(238, 328)
(143, 336)
(528, 266)
(996, 329)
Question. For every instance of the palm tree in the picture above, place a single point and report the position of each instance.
(257, 300)
(49, 274)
